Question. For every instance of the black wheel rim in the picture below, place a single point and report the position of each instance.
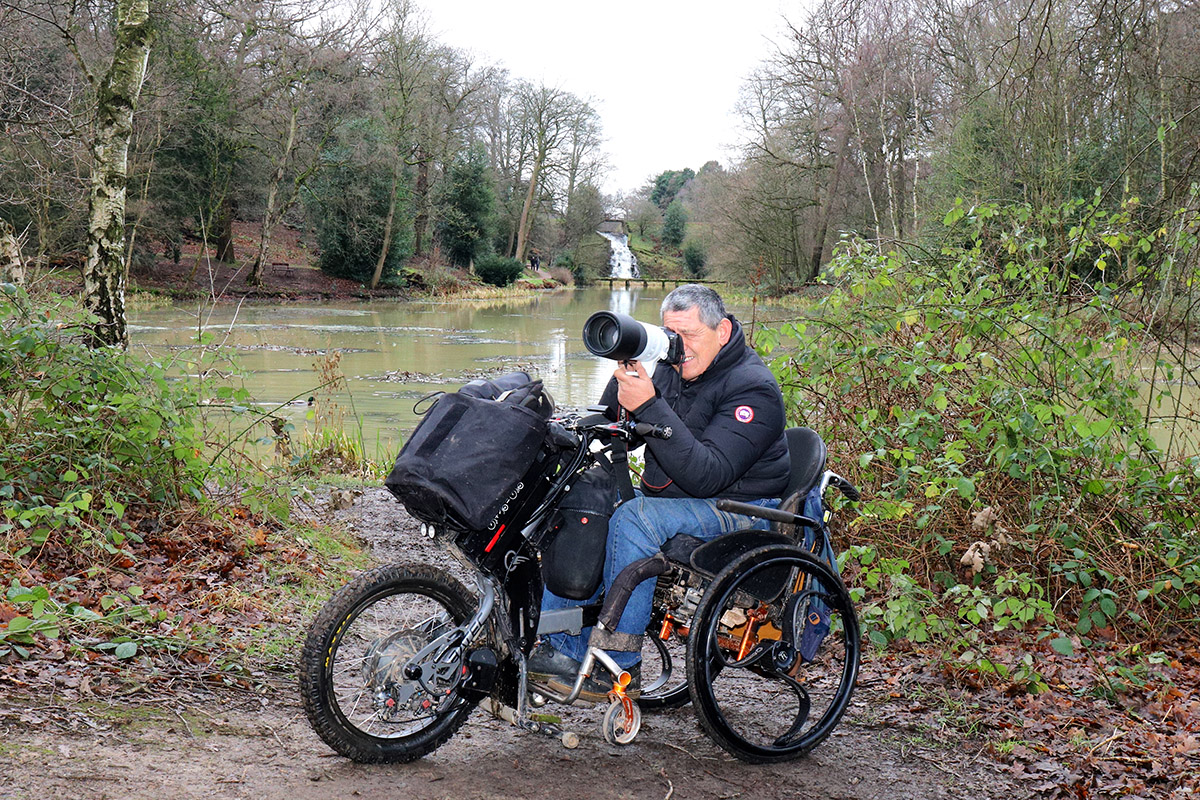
(781, 716)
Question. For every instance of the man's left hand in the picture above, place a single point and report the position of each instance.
(633, 391)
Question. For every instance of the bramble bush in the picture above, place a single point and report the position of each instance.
(1011, 398)
(84, 434)
(92, 441)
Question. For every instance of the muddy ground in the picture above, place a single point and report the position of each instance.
(200, 743)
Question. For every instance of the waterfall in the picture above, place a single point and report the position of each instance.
(622, 262)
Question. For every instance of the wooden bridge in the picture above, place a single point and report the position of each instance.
(662, 282)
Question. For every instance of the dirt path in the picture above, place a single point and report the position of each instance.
(199, 744)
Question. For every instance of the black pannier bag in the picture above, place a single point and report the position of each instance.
(573, 563)
(469, 452)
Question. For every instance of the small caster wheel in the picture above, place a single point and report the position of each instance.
(537, 699)
(622, 721)
(570, 740)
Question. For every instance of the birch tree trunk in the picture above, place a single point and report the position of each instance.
(12, 268)
(117, 92)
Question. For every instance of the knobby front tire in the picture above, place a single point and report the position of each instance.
(352, 680)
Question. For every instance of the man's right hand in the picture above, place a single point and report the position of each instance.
(633, 391)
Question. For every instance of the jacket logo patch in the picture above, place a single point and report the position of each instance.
(743, 413)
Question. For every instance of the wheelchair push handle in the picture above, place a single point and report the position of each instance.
(773, 514)
(844, 486)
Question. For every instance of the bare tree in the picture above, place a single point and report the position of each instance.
(300, 45)
(545, 115)
(44, 111)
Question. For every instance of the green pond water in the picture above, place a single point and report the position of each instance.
(394, 353)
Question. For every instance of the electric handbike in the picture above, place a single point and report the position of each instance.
(397, 659)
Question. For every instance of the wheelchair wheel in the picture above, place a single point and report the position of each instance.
(766, 684)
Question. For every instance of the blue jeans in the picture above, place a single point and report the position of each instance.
(638, 529)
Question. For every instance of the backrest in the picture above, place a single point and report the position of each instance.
(807, 453)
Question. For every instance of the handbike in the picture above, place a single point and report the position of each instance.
(397, 659)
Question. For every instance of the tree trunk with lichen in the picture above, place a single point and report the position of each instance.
(117, 92)
(270, 216)
(12, 268)
(387, 235)
(527, 211)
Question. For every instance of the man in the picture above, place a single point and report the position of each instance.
(726, 411)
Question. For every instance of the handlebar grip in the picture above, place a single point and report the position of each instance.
(650, 431)
(773, 514)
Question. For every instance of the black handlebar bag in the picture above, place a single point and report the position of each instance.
(468, 454)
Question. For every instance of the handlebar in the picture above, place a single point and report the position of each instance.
(628, 430)
(649, 431)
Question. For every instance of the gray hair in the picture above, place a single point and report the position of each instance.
(693, 295)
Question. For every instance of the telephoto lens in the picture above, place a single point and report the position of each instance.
(622, 338)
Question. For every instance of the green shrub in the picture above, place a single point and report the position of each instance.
(674, 224)
(996, 390)
(694, 258)
(498, 270)
(85, 433)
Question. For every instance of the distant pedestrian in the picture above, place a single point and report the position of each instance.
(535, 261)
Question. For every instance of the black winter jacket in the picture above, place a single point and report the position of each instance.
(727, 429)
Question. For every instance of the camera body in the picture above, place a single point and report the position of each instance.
(620, 337)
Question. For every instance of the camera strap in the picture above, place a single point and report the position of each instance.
(620, 462)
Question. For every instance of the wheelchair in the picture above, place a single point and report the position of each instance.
(754, 628)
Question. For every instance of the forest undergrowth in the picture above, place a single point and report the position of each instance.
(1017, 398)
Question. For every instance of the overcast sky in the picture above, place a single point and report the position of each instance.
(663, 74)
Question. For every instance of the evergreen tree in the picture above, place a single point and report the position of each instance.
(467, 208)
(348, 204)
(674, 224)
(668, 184)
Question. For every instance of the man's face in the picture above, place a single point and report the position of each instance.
(700, 342)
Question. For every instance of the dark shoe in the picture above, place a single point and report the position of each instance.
(596, 686)
(545, 663)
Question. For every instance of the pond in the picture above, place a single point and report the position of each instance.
(393, 353)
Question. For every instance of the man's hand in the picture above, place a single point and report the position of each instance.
(633, 390)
